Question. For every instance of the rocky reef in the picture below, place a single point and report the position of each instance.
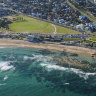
(84, 65)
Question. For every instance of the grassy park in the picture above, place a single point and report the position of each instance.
(62, 30)
(24, 24)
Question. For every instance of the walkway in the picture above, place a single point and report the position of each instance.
(55, 29)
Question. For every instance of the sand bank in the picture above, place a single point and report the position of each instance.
(70, 49)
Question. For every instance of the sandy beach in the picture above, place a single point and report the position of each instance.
(70, 49)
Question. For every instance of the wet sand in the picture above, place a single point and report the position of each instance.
(56, 47)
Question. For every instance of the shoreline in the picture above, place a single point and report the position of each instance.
(70, 49)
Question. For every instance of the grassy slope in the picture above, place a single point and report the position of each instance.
(63, 30)
(31, 25)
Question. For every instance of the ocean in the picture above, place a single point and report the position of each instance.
(35, 72)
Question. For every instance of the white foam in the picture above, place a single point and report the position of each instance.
(26, 58)
(6, 66)
(5, 78)
(67, 83)
(56, 67)
(85, 75)
(77, 71)
(46, 61)
(38, 58)
(3, 84)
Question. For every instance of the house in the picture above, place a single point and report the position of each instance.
(61, 21)
(80, 26)
(82, 17)
(94, 1)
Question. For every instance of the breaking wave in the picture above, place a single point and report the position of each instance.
(47, 61)
(76, 71)
(39, 58)
(4, 66)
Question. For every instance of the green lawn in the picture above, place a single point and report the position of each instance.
(62, 30)
(30, 25)
(72, 39)
(93, 38)
(4, 30)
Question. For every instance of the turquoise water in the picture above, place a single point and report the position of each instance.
(32, 72)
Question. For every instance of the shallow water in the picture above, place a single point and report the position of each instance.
(32, 72)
